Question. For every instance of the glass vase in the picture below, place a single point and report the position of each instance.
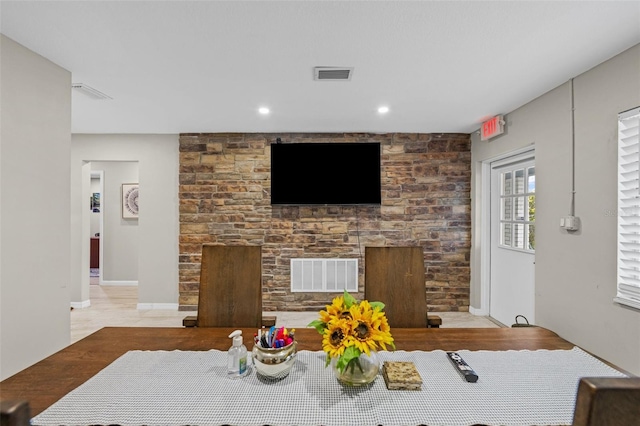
(359, 371)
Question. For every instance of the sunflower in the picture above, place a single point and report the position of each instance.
(361, 326)
(381, 333)
(336, 337)
(334, 310)
(350, 328)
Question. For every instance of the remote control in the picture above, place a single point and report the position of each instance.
(463, 368)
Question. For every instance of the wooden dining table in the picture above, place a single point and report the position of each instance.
(45, 382)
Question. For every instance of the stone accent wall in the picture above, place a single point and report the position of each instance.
(224, 199)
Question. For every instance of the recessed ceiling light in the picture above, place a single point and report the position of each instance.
(383, 110)
(263, 110)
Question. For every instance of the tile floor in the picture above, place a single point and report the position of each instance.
(116, 306)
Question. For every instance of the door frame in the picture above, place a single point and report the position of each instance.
(485, 224)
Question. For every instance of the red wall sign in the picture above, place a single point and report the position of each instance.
(492, 127)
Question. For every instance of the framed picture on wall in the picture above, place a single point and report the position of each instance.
(129, 200)
(95, 202)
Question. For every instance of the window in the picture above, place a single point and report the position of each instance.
(629, 208)
(518, 207)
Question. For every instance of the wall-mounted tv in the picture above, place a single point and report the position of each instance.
(325, 173)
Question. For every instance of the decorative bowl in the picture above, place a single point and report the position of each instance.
(274, 363)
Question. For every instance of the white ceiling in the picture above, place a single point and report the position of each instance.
(207, 66)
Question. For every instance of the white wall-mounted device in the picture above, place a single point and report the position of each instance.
(570, 223)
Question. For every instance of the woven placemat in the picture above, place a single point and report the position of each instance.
(177, 388)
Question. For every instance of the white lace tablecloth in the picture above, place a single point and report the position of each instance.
(178, 388)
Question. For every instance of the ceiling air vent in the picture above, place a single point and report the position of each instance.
(332, 73)
(89, 91)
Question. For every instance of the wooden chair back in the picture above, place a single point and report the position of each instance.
(15, 413)
(395, 276)
(230, 293)
(608, 401)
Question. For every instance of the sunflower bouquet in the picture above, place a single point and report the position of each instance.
(350, 328)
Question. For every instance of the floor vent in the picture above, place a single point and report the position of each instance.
(332, 73)
(324, 275)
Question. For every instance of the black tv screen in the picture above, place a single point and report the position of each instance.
(325, 173)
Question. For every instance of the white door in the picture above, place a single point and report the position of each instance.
(512, 284)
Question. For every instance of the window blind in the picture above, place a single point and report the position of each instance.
(628, 291)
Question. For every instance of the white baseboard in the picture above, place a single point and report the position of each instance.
(81, 305)
(123, 283)
(165, 306)
(478, 312)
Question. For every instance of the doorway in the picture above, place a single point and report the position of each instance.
(95, 226)
(118, 233)
(512, 235)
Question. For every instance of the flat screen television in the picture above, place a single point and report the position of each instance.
(325, 173)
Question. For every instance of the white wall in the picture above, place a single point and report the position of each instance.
(157, 158)
(575, 274)
(119, 238)
(34, 218)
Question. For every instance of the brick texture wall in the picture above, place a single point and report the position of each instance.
(224, 199)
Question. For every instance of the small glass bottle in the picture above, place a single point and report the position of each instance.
(237, 356)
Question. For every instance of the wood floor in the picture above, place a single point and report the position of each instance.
(117, 306)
